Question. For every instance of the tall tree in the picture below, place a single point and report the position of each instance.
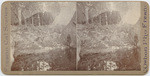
(21, 6)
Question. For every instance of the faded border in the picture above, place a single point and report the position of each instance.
(5, 46)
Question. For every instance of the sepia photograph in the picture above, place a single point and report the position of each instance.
(75, 36)
(43, 36)
(108, 36)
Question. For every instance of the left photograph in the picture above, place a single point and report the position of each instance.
(43, 36)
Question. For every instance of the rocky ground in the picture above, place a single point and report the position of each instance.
(126, 60)
(40, 48)
(108, 47)
(54, 60)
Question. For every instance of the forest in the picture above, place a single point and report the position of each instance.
(68, 36)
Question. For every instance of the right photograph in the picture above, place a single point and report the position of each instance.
(108, 36)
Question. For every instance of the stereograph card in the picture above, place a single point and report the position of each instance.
(75, 37)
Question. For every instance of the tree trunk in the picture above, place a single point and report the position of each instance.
(19, 16)
(87, 15)
(39, 19)
(24, 21)
(32, 20)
